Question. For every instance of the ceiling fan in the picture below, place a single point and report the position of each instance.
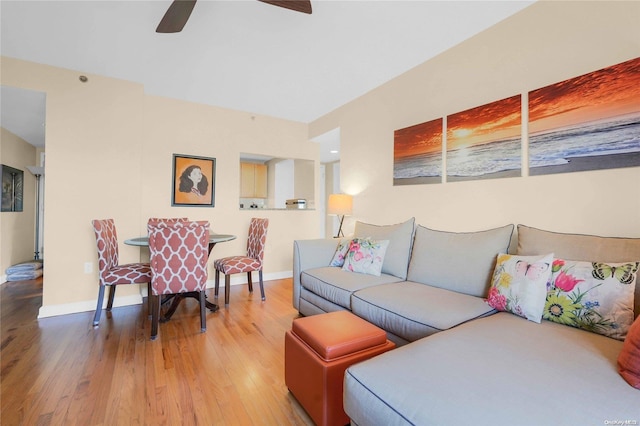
(178, 13)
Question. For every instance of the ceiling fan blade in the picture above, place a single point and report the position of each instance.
(176, 16)
(303, 6)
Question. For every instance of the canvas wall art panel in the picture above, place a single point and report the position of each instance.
(417, 154)
(588, 122)
(485, 142)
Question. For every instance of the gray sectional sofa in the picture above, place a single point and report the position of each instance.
(459, 361)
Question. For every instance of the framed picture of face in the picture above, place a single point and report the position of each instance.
(194, 181)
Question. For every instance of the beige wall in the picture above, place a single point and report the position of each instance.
(109, 155)
(109, 148)
(17, 229)
(544, 44)
(185, 128)
(304, 181)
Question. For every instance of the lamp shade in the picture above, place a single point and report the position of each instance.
(36, 170)
(340, 204)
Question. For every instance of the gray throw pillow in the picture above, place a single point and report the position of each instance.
(400, 238)
(457, 261)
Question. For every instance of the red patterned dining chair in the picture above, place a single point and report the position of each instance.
(167, 220)
(111, 273)
(178, 253)
(241, 264)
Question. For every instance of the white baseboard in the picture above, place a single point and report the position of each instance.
(90, 305)
(3, 279)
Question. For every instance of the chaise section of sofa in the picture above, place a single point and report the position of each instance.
(499, 370)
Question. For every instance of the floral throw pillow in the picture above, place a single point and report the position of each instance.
(519, 285)
(341, 252)
(594, 296)
(365, 256)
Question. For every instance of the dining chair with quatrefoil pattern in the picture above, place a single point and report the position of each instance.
(178, 252)
(155, 220)
(249, 263)
(111, 273)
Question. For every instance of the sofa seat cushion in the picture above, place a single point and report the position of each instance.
(512, 371)
(336, 285)
(413, 310)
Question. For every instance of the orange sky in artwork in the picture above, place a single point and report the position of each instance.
(605, 93)
(423, 138)
(487, 123)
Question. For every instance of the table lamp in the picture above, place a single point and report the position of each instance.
(340, 205)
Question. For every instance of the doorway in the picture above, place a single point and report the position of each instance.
(330, 178)
(22, 120)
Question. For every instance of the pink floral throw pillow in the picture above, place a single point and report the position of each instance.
(341, 252)
(519, 285)
(594, 296)
(365, 256)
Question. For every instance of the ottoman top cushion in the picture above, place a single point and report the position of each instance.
(336, 334)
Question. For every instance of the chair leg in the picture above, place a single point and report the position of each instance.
(227, 289)
(203, 317)
(96, 317)
(249, 282)
(215, 291)
(155, 314)
(149, 298)
(112, 293)
(261, 285)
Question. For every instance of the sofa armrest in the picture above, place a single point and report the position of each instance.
(308, 254)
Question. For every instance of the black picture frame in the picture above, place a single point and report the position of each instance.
(12, 189)
(190, 187)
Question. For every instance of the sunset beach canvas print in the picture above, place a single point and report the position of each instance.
(588, 122)
(485, 142)
(417, 154)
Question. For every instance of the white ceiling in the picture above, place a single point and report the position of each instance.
(245, 54)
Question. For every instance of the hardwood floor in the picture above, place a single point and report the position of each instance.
(62, 371)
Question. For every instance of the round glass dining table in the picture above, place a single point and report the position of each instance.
(177, 298)
(213, 240)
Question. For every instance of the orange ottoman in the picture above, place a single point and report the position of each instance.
(317, 351)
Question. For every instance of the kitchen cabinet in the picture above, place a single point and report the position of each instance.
(253, 180)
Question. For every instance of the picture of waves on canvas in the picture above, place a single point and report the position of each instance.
(605, 144)
(494, 159)
(420, 165)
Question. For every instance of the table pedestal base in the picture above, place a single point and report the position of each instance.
(175, 300)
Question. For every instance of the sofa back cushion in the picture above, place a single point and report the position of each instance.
(591, 248)
(457, 261)
(400, 237)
